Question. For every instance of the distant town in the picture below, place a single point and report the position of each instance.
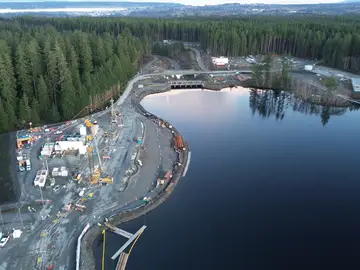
(168, 10)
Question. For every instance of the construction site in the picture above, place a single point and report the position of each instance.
(114, 165)
(118, 161)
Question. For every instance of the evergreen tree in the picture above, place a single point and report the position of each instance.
(4, 119)
(24, 109)
(44, 100)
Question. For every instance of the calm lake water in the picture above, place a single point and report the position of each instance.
(273, 183)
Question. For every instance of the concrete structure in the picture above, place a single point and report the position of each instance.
(71, 143)
(186, 84)
(78, 246)
(196, 72)
(355, 84)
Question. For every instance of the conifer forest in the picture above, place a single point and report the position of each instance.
(52, 68)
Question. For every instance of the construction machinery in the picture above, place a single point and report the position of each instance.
(179, 143)
(106, 180)
(79, 207)
(88, 123)
(95, 171)
(166, 178)
(95, 176)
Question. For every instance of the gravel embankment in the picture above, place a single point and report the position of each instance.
(87, 256)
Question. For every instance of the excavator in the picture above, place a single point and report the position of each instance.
(96, 176)
(106, 180)
(88, 123)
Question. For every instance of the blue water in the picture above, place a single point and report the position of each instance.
(268, 187)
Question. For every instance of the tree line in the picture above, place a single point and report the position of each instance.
(51, 68)
(333, 39)
(48, 75)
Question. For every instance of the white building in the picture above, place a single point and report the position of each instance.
(47, 149)
(220, 61)
(40, 178)
(69, 143)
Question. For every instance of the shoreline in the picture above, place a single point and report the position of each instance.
(89, 237)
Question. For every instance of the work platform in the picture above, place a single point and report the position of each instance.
(186, 84)
(132, 238)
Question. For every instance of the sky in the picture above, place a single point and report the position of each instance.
(197, 3)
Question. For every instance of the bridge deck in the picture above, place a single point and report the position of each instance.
(183, 82)
(117, 230)
(132, 238)
(122, 261)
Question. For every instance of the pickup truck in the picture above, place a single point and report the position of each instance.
(4, 240)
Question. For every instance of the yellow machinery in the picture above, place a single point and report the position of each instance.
(88, 123)
(89, 138)
(95, 171)
(95, 177)
(106, 180)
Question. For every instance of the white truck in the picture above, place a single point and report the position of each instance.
(4, 240)
(40, 178)
(28, 165)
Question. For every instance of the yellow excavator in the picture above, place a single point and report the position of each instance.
(106, 180)
(96, 177)
(88, 123)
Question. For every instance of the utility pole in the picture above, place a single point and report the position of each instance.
(21, 217)
(98, 154)
(47, 166)
(112, 108)
(2, 221)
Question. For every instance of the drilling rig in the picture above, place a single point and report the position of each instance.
(95, 171)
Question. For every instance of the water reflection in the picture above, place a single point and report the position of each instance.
(274, 103)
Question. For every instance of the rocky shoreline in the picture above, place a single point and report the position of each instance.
(87, 261)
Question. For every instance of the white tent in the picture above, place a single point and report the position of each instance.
(17, 233)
